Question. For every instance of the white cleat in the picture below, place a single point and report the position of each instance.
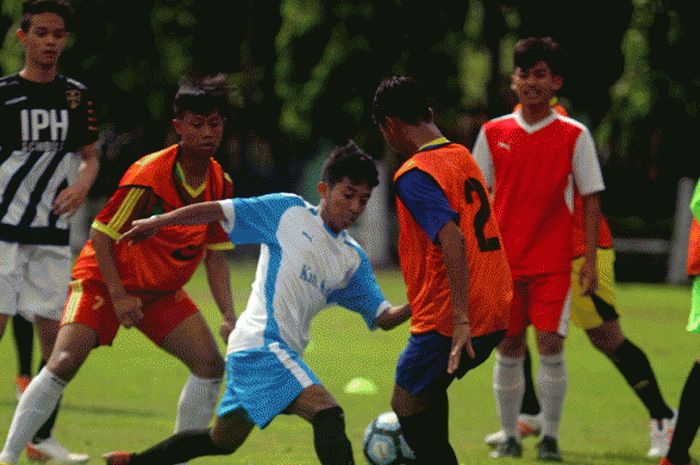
(50, 449)
(528, 425)
(660, 434)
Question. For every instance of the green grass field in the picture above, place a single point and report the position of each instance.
(125, 397)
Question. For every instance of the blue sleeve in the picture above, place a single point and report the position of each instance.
(425, 200)
(362, 293)
(256, 219)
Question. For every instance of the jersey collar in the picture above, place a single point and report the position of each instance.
(433, 144)
(193, 192)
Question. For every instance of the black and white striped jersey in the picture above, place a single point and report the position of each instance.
(42, 128)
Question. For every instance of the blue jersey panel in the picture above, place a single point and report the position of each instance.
(425, 200)
(362, 294)
(256, 219)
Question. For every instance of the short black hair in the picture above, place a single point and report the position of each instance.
(532, 50)
(402, 97)
(349, 161)
(34, 7)
(202, 95)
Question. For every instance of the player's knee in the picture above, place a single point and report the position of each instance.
(64, 364)
(209, 366)
(331, 443)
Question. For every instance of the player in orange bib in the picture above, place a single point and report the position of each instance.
(456, 272)
(597, 315)
(141, 286)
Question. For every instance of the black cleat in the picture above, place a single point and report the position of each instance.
(549, 450)
(511, 447)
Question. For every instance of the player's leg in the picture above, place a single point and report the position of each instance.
(227, 435)
(318, 407)
(688, 419)
(549, 306)
(23, 332)
(598, 316)
(185, 334)
(508, 373)
(72, 347)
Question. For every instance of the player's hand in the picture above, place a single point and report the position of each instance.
(226, 328)
(127, 308)
(69, 199)
(461, 340)
(588, 278)
(141, 230)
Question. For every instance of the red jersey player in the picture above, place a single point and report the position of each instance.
(141, 285)
(534, 160)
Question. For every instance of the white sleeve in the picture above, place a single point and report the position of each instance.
(585, 165)
(482, 155)
(229, 215)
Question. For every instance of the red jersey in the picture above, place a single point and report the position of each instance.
(490, 284)
(532, 170)
(605, 240)
(156, 184)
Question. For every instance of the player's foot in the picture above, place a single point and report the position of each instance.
(117, 458)
(21, 383)
(665, 461)
(549, 450)
(50, 449)
(510, 447)
(660, 434)
(528, 425)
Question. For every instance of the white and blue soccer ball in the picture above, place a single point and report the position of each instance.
(383, 443)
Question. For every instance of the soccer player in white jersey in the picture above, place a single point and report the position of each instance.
(48, 133)
(307, 263)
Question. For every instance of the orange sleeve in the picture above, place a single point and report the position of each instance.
(125, 205)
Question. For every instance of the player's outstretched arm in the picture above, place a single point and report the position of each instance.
(393, 316)
(200, 213)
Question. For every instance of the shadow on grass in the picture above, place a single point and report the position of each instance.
(592, 458)
(93, 410)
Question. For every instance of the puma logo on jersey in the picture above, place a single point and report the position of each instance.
(503, 145)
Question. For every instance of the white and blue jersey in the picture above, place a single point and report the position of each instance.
(303, 268)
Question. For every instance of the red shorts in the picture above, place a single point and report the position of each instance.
(543, 300)
(88, 302)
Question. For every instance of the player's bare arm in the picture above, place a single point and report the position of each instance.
(219, 279)
(454, 254)
(393, 316)
(588, 277)
(200, 213)
(127, 308)
(70, 198)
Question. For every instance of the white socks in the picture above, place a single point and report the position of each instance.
(551, 386)
(197, 402)
(34, 408)
(509, 387)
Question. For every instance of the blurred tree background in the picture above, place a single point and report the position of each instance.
(302, 75)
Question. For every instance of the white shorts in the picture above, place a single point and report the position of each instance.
(34, 279)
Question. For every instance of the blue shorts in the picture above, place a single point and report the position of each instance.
(422, 366)
(264, 382)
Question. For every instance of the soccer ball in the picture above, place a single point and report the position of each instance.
(383, 443)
